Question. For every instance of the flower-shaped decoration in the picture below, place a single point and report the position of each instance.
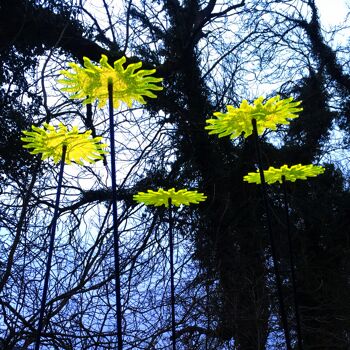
(237, 120)
(162, 197)
(91, 82)
(49, 141)
(295, 172)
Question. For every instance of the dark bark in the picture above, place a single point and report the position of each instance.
(232, 246)
(38, 28)
(326, 56)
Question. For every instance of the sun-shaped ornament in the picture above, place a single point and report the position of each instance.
(267, 115)
(91, 82)
(49, 141)
(161, 197)
(295, 172)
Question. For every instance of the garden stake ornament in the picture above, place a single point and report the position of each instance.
(285, 173)
(267, 116)
(255, 119)
(65, 147)
(281, 175)
(113, 84)
(168, 199)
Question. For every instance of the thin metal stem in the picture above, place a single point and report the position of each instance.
(52, 230)
(172, 284)
(272, 242)
(292, 268)
(115, 217)
(207, 290)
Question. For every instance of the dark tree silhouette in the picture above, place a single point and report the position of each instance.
(210, 54)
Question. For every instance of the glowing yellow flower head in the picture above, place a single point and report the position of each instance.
(91, 82)
(162, 197)
(237, 120)
(295, 172)
(49, 141)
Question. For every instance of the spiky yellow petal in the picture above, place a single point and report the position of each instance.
(295, 172)
(91, 82)
(161, 197)
(49, 142)
(239, 120)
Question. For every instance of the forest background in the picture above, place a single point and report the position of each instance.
(210, 54)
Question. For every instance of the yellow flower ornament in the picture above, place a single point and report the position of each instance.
(295, 172)
(91, 82)
(161, 197)
(239, 120)
(50, 141)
